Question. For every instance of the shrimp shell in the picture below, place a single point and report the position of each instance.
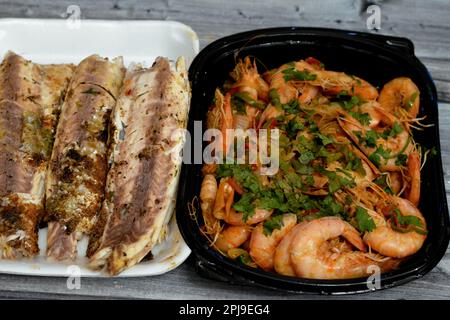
(262, 246)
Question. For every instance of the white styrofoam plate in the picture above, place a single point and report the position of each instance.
(66, 41)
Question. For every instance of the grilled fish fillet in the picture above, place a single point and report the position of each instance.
(78, 166)
(142, 181)
(30, 101)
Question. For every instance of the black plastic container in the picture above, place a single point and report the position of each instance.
(375, 58)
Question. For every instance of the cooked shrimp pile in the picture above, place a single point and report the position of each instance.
(346, 193)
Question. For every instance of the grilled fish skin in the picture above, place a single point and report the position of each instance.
(77, 172)
(30, 100)
(142, 181)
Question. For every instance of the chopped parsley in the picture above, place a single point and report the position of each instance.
(324, 139)
(364, 220)
(294, 74)
(407, 220)
(403, 223)
(306, 157)
(348, 102)
(244, 97)
(243, 175)
(401, 160)
(411, 100)
(336, 181)
(393, 132)
(370, 139)
(379, 153)
(275, 98)
(293, 127)
(292, 107)
(275, 222)
(382, 182)
(363, 118)
(246, 205)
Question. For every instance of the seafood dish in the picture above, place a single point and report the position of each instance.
(142, 182)
(345, 197)
(78, 166)
(30, 102)
(89, 151)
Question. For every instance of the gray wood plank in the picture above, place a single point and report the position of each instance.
(183, 283)
(426, 23)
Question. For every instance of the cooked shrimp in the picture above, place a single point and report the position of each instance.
(232, 237)
(389, 242)
(262, 246)
(224, 199)
(308, 93)
(370, 169)
(285, 90)
(372, 108)
(271, 112)
(376, 115)
(360, 180)
(336, 155)
(209, 168)
(363, 89)
(310, 260)
(248, 80)
(237, 218)
(220, 117)
(413, 191)
(215, 114)
(400, 143)
(395, 181)
(247, 120)
(289, 90)
(400, 95)
(282, 257)
(335, 82)
(208, 193)
(227, 121)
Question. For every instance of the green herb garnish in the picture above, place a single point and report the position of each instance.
(275, 222)
(364, 220)
(293, 74)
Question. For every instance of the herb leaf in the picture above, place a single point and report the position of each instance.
(364, 220)
(401, 160)
(411, 100)
(243, 96)
(363, 118)
(306, 157)
(292, 107)
(246, 206)
(293, 74)
(275, 222)
(407, 220)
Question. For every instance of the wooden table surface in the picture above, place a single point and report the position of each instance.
(426, 23)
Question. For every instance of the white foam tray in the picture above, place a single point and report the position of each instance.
(65, 41)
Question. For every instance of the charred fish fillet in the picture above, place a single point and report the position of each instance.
(30, 101)
(142, 181)
(77, 171)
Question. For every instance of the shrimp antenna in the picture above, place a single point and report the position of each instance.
(192, 210)
(355, 123)
(377, 189)
(236, 54)
(425, 157)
